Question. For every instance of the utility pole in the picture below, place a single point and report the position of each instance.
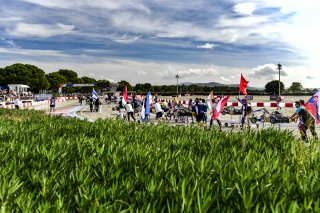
(279, 97)
(279, 68)
(177, 77)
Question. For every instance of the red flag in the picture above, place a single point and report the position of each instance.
(243, 85)
(125, 96)
(218, 109)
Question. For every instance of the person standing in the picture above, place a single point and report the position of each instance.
(245, 110)
(106, 98)
(159, 111)
(214, 117)
(52, 104)
(121, 108)
(199, 111)
(306, 121)
(135, 105)
(97, 104)
(91, 103)
(80, 99)
(129, 110)
(17, 102)
(205, 117)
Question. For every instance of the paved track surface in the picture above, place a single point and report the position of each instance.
(73, 109)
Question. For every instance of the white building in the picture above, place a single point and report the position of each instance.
(19, 88)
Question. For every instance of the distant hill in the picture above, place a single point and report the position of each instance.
(214, 84)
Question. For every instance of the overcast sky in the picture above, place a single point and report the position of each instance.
(152, 41)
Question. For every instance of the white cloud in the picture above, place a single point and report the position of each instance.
(111, 5)
(288, 74)
(245, 8)
(267, 71)
(251, 21)
(9, 19)
(140, 72)
(40, 30)
(224, 79)
(31, 52)
(183, 72)
(206, 46)
(125, 39)
(9, 42)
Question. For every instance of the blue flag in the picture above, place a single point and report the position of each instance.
(95, 95)
(148, 101)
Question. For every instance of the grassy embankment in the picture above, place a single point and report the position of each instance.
(58, 164)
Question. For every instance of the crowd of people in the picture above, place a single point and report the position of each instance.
(201, 110)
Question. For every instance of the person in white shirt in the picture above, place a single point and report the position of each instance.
(159, 111)
(106, 98)
(17, 103)
(129, 110)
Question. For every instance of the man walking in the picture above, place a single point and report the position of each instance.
(159, 111)
(91, 104)
(52, 104)
(17, 102)
(129, 110)
(306, 121)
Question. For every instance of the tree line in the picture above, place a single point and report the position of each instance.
(37, 79)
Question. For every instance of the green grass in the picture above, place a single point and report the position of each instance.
(50, 164)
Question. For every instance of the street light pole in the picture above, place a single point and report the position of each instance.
(177, 77)
(279, 97)
(279, 68)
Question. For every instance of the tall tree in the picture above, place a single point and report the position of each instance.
(122, 84)
(296, 87)
(70, 76)
(55, 79)
(273, 87)
(87, 80)
(27, 74)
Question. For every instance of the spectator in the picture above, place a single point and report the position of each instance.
(159, 111)
(52, 104)
(205, 118)
(214, 117)
(97, 104)
(306, 121)
(200, 111)
(91, 103)
(121, 108)
(130, 111)
(17, 103)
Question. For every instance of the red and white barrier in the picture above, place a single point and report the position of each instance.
(253, 104)
(71, 98)
(263, 104)
(30, 104)
(22, 105)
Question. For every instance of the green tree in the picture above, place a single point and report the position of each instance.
(273, 87)
(139, 88)
(87, 80)
(70, 76)
(296, 87)
(27, 74)
(55, 79)
(122, 84)
(104, 83)
(148, 87)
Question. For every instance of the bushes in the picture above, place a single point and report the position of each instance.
(64, 164)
